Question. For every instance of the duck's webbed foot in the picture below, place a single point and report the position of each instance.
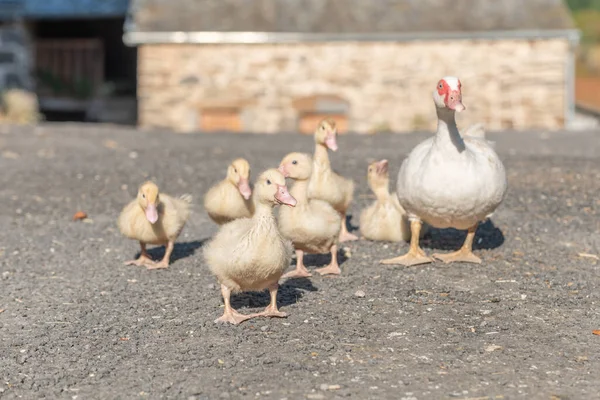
(409, 259)
(461, 255)
(415, 255)
(465, 254)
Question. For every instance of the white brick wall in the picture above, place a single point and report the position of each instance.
(506, 84)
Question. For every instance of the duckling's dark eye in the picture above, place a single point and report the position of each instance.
(235, 170)
(294, 162)
(323, 127)
(143, 196)
(268, 182)
(370, 169)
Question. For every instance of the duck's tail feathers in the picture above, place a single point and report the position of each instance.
(187, 198)
(476, 130)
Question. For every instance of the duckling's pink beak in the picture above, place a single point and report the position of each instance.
(382, 167)
(151, 213)
(331, 142)
(284, 197)
(283, 171)
(244, 188)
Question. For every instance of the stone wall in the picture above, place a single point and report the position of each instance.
(507, 84)
(15, 58)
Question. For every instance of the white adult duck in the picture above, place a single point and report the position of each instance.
(449, 181)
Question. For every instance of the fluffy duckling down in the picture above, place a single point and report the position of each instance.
(313, 225)
(327, 185)
(230, 198)
(154, 218)
(384, 219)
(250, 254)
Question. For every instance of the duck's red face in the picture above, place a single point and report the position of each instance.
(450, 91)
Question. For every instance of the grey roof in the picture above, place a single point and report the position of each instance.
(347, 16)
(40, 9)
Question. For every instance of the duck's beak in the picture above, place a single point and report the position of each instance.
(244, 188)
(284, 197)
(331, 142)
(454, 101)
(151, 213)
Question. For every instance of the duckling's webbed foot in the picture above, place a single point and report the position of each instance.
(143, 260)
(233, 317)
(272, 310)
(300, 271)
(345, 236)
(415, 255)
(158, 265)
(333, 268)
(465, 254)
(140, 261)
(230, 315)
(164, 263)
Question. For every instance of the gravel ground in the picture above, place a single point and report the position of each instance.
(78, 324)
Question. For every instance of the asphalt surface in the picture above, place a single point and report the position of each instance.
(77, 324)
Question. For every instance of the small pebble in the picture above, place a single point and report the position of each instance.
(133, 155)
(264, 328)
(211, 286)
(360, 293)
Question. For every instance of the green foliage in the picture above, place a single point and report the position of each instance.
(588, 22)
(81, 89)
(577, 5)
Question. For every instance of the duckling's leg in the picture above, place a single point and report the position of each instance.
(465, 254)
(230, 315)
(164, 263)
(415, 255)
(272, 310)
(300, 271)
(345, 236)
(333, 268)
(144, 258)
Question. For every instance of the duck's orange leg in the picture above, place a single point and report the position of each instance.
(465, 254)
(415, 255)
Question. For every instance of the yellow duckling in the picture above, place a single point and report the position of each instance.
(250, 254)
(313, 225)
(385, 218)
(327, 185)
(230, 198)
(154, 218)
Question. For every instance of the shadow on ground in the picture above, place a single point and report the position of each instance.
(180, 250)
(289, 293)
(487, 237)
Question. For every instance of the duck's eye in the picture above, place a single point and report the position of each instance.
(294, 162)
(143, 196)
(235, 170)
(323, 127)
(370, 169)
(268, 182)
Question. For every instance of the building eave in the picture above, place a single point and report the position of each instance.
(134, 38)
